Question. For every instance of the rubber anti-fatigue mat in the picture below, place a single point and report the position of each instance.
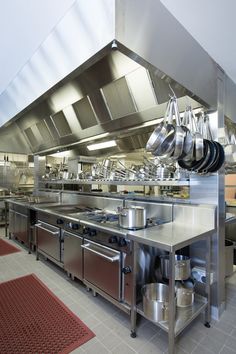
(33, 320)
(7, 248)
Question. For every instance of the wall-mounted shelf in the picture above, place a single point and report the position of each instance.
(167, 182)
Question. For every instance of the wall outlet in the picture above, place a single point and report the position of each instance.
(199, 274)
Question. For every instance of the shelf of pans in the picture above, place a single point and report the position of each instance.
(184, 316)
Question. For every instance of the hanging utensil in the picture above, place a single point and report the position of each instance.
(162, 130)
(198, 148)
(166, 146)
(179, 134)
(188, 140)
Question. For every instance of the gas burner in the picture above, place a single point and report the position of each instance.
(154, 222)
(103, 217)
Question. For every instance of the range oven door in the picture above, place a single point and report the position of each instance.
(48, 240)
(102, 268)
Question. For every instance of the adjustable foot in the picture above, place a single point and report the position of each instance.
(133, 334)
(207, 325)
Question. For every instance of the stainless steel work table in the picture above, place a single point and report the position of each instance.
(172, 237)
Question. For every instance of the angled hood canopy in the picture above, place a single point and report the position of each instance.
(116, 92)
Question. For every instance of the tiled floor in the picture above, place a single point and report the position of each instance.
(111, 325)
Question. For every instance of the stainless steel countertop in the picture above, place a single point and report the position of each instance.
(170, 236)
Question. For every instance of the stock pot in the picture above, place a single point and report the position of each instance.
(133, 217)
(184, 293)
(182, 267)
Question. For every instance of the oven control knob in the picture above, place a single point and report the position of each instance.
(113, 239)
(126, 270)
(74, 226)
(85, 230)
(60, 221)
(92, 232)
(122, 242)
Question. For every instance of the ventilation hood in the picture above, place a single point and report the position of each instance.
(116, 92)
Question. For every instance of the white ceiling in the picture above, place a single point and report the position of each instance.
(25, 24)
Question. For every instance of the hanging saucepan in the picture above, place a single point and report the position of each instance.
(180, 134)
(197, 151)
(166, 147)
(188, 140)
(162, 130)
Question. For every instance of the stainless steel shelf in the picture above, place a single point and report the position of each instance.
(184, 316)
(167, 182)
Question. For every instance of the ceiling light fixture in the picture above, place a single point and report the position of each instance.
(103, 145)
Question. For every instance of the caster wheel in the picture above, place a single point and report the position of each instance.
(207, 325)
(133, 335)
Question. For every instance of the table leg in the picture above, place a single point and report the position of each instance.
(172, 304)
(133, 313)
(208, 285)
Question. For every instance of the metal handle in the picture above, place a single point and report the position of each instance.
(49, 231)
(110, 259)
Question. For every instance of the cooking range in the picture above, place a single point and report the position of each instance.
(91, 246)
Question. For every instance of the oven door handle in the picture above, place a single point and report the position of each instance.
(44, 228)
(115, 258)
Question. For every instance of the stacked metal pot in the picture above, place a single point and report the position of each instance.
(156, 295)
(186, 141)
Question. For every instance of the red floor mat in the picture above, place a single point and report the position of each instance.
(33, 320)
(7, 248)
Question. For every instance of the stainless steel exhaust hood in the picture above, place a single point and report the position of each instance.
(113, 90)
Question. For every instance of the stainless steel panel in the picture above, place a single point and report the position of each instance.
(12, 223)
(31, 137)
(61, 124)
(43, 130)
(101, 272)
(73, 255)
(21, 228)
(85, 113)
(127, 279)
(48, 240)
(118, 98)
(197, 72)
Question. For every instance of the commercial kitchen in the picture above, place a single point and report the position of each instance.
(118, 187)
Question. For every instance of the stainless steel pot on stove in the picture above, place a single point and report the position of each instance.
(182, 267)
(133, 217)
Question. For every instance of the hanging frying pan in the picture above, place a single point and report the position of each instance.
(193, 164)
(211, 160)
(220, 160)
(214, 161)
